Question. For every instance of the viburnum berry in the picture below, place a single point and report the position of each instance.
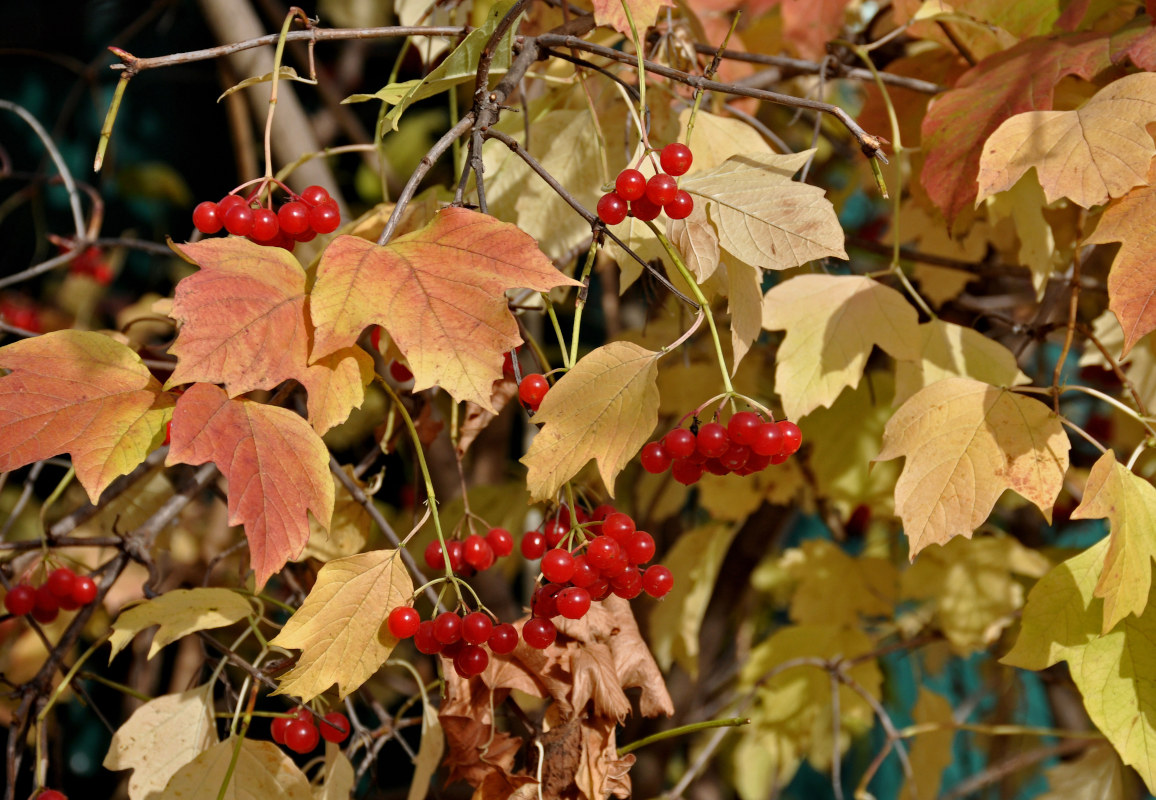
(424, 640)
(533, 545)
(657, 581)
(503, 639)
(712, 440)
(680, 207)
(228, 203)
(539, 633)
(403, 622)
(617, 565)
(508, 366)
(792, 437)
(557, 566)
(573, 602)
(661, 189)
(654, 458)
(735, 458)
(584, 573)
(400, 372)
(434, 557)
(618, 526)
(20, 600)
(602, 552)
(206, 217)
(471, 660)
(685, 471)
(501, 542)
(51, 794)
(476, 627)
(455, 555)
(293, 217)
(324, 218)
(675, 158)
(768, 440)
(645, 209)
(47, 606)
(448, 627)
(335, 727)
(60, 582)
(544, 603)
(532, 389)
(301, 737)
(555, 531)
(755, 463)
(314, 196)
(280, 726)
(679, 443)
(639, 547)
(612, 208)
(628, 585)
(477, 552)
(630, 184)
(239, 220)
(742, 427)
(265, 225)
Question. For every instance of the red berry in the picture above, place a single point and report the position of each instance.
(302, 737)
(661, 189)
(455, 554)
(476, 627)
(602, 512)
(314, 196)
(533, 545)
(602, 552)
(680, 207)
(792, 437)
(675, 158)
(228, 203)
(645, 209)
(47, 606)
(293, 217)
(448, 627)
(768, 440)
(279, 727)
(555, 531)
(679, 443)
(206, 217)
(501, 542)
(685, 471)
(657, 581)
(618, 526)
(628, 585)
(532, 389)
(630, 184)
(712, 440)
(265, 225)
(585, 573)
(239, 220)
(308, 236)
(735, 458)
(557, 566)
(325, 218)
(599, 590)
(400, 372)
(544, 602)
(743, 426)
(612, 208)
(756, 463)
(654, 458)
(434, 557)
(20, 600)
(60, 583)
(424, 640)
(539, 633)
(477, 552)
(403, 622)
(507, 366)
(168, 433)
(780, 458)
(573, 603)
(640, 547)
(335, 727)
(471, 661)
(504, 639)
(51, 794)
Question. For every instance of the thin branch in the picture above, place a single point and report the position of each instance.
(57, 158)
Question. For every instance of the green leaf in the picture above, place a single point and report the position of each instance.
(179, 612)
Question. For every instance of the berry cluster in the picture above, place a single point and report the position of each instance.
(746, 445)
(64, 589)
(473, 554)
(532, 390)
(298, 220)
(300, 734)
(457, 637)
(91, 262)
(635, 196)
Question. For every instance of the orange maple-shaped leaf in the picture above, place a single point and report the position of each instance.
(439, 292)
(277, 469)
(643, 12)
(81, 393)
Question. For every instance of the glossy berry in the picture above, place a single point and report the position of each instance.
(335, 727)
(630, 184)
(51, 794)
(265, 225)
(314, 196)
(400, 372)
(47, 606)
(555, 531)
(403, 622)
(557, 566)
(755, 463)
(60, 583)
(628, 585)
(679, 443)
(206, 218)
(477, 552)
(539, 633)
(239, 220)
(503, 639)
(618, 526)
(302, 737)
(602, 552)
(533, 545)
(448, 627)
(584, 573)
(792, 437)
(680, 207)
(657, 581)
(228, 203)
(508, 367)
(645, 209)
(83, 590)
(424, 640)
(712, 440)
(544, 601)
(742, 427)
(768, 440)
(455, 555)
(612, 208)
(532, 389)
(501, 542)
(675, 158)
(20, 600)
(639, 547)
(476, 627)
(293, 218)
(325, 218)
(686, 472)
(434, 557)
(661, 189)
(471, 660)
(279, 727)
(573, 602)
(654, 458)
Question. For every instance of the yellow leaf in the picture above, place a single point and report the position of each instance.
(716, 138)
(696, 241)
(1139, 365)
(930, 752)
(179, 612)
(1129, 503)
(1098, 151)
(340, 628)
(947, 350)
(837, 589)
(261, 770)
(762, 216)
(1021, 209)
(694, 560)
(764, 758)
(348, 531)
(744, 291)
(429, 752)
(832, 322)
(161, 737)
(338, 776)
(1096, 774)
(286, 74)
(604, 408)
(336, 385)
(966, 442)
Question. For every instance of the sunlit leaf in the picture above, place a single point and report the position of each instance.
(948, 350)
(642, 12)
(179, 612)
(835, 588)
(260, 770)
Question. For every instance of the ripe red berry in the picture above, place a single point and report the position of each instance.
(477, 552)
(768, 440)
(51, 794)
(335, 727)
(503, 639)
(60, 583)
(680, 207)
(675, 158)
(228, 203)
(557, 566)
(403, 622)
(618, 526)
(661, 189)
(654, 458)
(476, 627)
(507, 366)
(47, 606)
(532, 389)
(792, 437)
(685, 471)
(314, 196)
(755, 463)
(206, 217)
(293, 218)
(302, 737)
(630, 184)
(265, 225)
(657, 581)
(645, 209)
(400, 372)
(679, 443)
(573, 602)
(611, 208)
(539, 633)
(544, 603)
(471, 660)
(742, 427)
(533, 545)
(602, 552)
(424, 640)
(640, 547)
(735, 458)
(279, 727)
(455, 554)
(239, 220)
(168, 433)
(501, 542)
(585, 573)
(712, 440)
(325, 218)
(555, 531)
(448, 627)
(628, 585)
(434, 557)
(20, 600)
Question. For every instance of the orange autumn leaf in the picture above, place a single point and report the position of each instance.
(277, 468)
(643, 12)
(84, 394)
(439, 292)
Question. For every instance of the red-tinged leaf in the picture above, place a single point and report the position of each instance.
(1136, 42)
(1020, 79)
(644, 13)
(439, 292)
(277, 469)
(84, 394)
(809, 24)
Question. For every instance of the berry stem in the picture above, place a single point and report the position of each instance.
(293, 12)
(580, 300)
(709, 74)
(683, 730)
(566, 362)
(641, 70)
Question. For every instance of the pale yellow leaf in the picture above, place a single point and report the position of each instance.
(697, 243)
(179, 612)
(966, 442)
(930, 752)
(832, 587)
(340, 628)
(1096, 774)
(832, 322)
(937, 285)
(1020, 210)
(338, 778)
(604, 408)
(947, 350)
(716, 138)
(348, 531)
(285, 74)
(429, 752)
(744, 291)
(159, 738)
(261, 771)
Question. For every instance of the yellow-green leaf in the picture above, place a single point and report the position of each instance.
(966, 442)
(834, 588)
(832, 322)
(261, 770)
(286, 74)
(179, 612)
(340, 628)
(930, 752)
(947, 350)
(604, 408)
(348, 531)
(1096, 774)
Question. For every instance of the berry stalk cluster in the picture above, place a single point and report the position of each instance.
(298, 220)
(63, 590)
(744, 446)
(635, 196)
